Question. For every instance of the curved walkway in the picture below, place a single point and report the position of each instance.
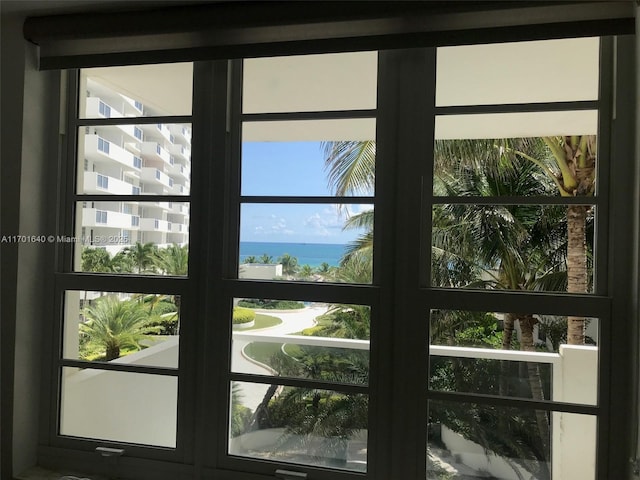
(292, 322)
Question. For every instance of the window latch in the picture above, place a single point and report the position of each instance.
(110, 452)
(290, 475)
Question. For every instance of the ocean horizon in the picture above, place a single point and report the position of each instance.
(312, 254)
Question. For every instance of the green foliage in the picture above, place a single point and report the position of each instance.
(270, 304)
(243, 315)
(113, 325)
(289, 264)
(265, 258)
(173, 260)
(344, 321)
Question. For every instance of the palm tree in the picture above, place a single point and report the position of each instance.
(250, 259)
(113, 325)
(289, 264)
(173, 260)
(265, 258)
(306, 271)
(142, 255)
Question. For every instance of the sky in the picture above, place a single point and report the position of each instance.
(290, 169)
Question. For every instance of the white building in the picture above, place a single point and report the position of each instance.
(135, 159)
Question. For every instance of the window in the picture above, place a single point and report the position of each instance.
(373, 232)
(104, 109)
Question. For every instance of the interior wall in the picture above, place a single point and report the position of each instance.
(30, 106)
(12, 50)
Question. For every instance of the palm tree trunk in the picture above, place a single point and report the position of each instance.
(576, 267)
(507, 335)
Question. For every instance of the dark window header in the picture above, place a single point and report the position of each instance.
(252, 29)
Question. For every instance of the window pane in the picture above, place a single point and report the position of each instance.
(130, 328)
(522, 72)
(132, 237)
(306, 242)
(467, 440)
(119, 406)
(136, 91)
(516, 167)
(515, 355)
(516, 125)
(301, 426)
(305, 168)
(150, 159)
(513, 247)
(338, 81)
(327, 342)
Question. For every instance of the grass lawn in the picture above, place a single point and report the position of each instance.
(264, 321)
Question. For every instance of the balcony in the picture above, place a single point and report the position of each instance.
(155, 176)
(94, 182)
(97, 108)
(180, 170)
(155, 151)
(95, 217)
(571, 440)
(99, 150)
(154, 225)
(179, 208)
(181, 151)
(181, 133)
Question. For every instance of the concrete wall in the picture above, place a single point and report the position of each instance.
(260, 271)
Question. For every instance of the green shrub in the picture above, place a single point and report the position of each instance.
(270, 304)
(243, 315)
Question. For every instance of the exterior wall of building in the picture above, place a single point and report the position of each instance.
(150, 159)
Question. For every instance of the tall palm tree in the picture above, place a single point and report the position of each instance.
(567, 161)
(250, 259)
(113, 325)
(142, 255)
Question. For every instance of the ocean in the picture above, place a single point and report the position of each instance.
(312, 254)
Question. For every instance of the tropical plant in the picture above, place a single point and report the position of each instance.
(143, 256)
(305, 271)
(289, 264)
(99, 260)
(250, 259)
(173, 260)
(265, 258)
(113, 325)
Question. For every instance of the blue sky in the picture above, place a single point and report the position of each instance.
(290, 169)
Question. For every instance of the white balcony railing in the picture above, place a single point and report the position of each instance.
(96, 217)
(100, 150)
(154, 175)
(95, 182)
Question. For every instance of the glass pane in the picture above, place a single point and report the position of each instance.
(306, 242)
(337, 81)
(516, 125)
(467, 440)
(522, 72)
(301, 426)
(119, 406)
(513, 247)
(136, 91)
(308, 168)
(132, 237)
(514, 354)
(131, 328)
(517, 167)
(298, 339)
(135, 159)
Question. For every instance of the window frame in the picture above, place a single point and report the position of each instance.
(218, 142)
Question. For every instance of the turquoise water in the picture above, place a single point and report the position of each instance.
(312, 254)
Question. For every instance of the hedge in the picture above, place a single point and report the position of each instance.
(243, 315)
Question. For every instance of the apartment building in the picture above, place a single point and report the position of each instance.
(130, 159)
